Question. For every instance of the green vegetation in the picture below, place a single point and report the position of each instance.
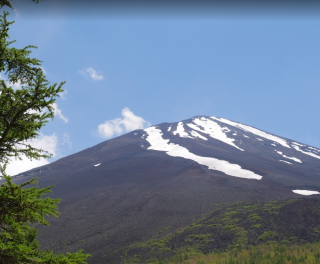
(212, 225)
(264, 254)
(254, 218)
(23, 112)
(256, 226)
(196, 226)
(267, 235)
(231, 213)
(241, 237)
(201, 237)
(243, 232)
(229, 226)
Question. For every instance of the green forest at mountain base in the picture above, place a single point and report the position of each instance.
(270, 253)
(256, 232)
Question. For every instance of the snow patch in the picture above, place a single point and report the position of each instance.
(213, 129)
(305, 192)
(307, 153)
(274, 145)
(246, 136)
(135, 134)
(314, 149)
(196, 134)
(260, 139)
(292, 158)
(298, 144)
(286, 161)
(158, 143)
(97, 165)
(253, 131)
(169, 128)
(180, 130)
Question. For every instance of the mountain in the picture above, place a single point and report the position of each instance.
(124, 190)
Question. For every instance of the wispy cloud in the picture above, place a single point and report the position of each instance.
(16, 12)
(63, 95)
(66, 140)
(58, 113)
(43, 69)
(47, 143)
(117, 126)
(92, 73)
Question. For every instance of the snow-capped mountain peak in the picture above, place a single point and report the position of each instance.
(185, 138)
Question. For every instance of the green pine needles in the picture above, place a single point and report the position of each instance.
(20, 207)
(23, 112)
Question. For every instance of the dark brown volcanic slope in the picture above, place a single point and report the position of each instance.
(134, 190)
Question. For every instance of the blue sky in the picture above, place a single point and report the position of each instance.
(258, 66)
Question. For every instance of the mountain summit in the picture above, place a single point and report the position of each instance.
(203, 135)
(122, 191)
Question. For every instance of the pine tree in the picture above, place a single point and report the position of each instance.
(22, 114)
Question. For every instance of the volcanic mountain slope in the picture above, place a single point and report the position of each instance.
(121, 191)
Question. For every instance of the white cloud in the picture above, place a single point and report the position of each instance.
(66, 140)
(47, 143)
(58, 113)
(17, 166)
(43, 69)
(16, 12)
(15, 86)
(93, 74)
(127, 123)
(63, 95)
